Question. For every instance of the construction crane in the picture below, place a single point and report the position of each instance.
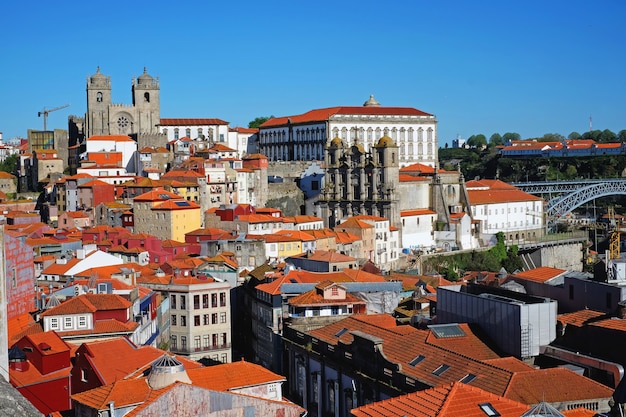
(45, 112)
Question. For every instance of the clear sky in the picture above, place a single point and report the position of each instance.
(531, 67)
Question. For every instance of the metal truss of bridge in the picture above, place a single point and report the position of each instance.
(565, 196)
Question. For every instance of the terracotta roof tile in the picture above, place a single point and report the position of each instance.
(554, 385)
(232, 376)
(452, 400)
(541, 274)
(319, 115)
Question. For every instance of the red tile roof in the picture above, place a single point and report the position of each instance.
(232, 376)
(320, 115)
(191, 122)
(554, 385)
(540, 274)
(88, 303)
(453, 400)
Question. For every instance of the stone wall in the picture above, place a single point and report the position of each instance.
(285, 196)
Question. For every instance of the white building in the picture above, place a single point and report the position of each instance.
(304, 136)
(114, 143)
(204, 132)
(500, 207)
(417, 229)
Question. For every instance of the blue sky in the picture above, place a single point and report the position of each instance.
(529, 67)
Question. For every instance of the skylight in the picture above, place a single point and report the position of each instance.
(442, 368)
(181, 203)
(446, 330)
(341, 332)
(417, 360)
(468, 378)
(489, 410)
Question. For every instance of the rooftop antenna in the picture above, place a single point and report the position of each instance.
(590, 124)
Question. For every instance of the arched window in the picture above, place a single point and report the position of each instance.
(200, 135)
(377, 136)
(176, 134)
(429, 134)
(99, 97)
(411, 134)
(188, 132)
(146, 97)
(344, 134)
(420, 134)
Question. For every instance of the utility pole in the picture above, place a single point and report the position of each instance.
(45, 112)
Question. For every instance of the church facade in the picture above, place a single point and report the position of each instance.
(139, 120)
(360, 182)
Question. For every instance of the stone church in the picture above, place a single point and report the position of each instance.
(138, 120)
(360, 182)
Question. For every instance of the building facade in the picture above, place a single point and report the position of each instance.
(305, 136)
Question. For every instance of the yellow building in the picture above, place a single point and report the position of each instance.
(165, 215)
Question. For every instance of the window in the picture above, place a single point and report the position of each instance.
(196, 320)
(82, 321)
(205, 341)
(183, 321)
(489, 410)
(176, 134)
(173, 301)
(468, 378)
(54, 323)
(174, 342)
(67, 323)
(205, 300)
(83, 374)
(174, 320)
(222, 299)
(417, 360)
(183, 302)
(223, 317)
(205, 320)
(196, 302)
(214, 318)
(213, 300)
(441, 369)
(224, 358)
(196, 343)
(183, 342)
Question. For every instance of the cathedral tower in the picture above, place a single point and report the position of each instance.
(98, 103)
(146, 100)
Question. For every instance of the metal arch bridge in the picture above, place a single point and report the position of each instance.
(564, 196)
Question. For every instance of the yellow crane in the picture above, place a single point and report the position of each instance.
(614, 236)
(45, 112)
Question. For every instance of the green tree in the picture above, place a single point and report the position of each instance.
(574, 136)
(477, 141)
(259, 121)
(552, 137)
(607, 136)
(509, 136)
(496, 140)
(622, 135)
(9, 164)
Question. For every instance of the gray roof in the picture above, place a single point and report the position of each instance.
(12, 403)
